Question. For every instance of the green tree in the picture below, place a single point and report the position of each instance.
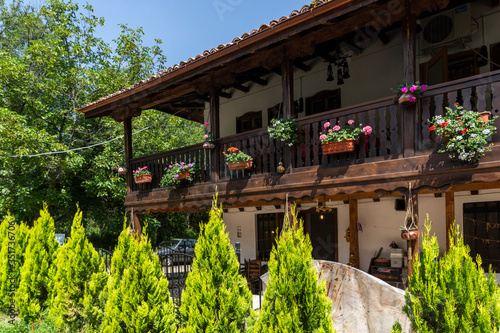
(15, 238)
(452, 293)
(51, 63)
(216, 298)
(75, 264)
(32, 294)
(294, 300)
(138, 299)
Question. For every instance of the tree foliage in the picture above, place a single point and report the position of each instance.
(294, 300)
(74, 266)
(138, 298)
(34, 286)
(452, 293)
(52, 63)
(216, 298)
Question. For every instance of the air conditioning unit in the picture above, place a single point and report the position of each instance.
(447, 28)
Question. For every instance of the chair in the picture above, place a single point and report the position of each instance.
(254, 271)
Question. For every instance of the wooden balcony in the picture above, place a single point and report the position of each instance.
(400, 149)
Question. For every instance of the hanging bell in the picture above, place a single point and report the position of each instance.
(280, 168)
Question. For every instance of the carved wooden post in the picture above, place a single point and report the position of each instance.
(127, 125)
(287, 90)
(450, 215)
(353, 233)
(215, 154)
(408, 110)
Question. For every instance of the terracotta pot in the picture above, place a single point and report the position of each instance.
(184, 174)
(209, 145)
(409, 234)
(338, 147)
(483, 116)
(405, 98)
(122, 170)
(240, 165)
(143, 179)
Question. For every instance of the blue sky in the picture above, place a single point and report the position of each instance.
(188, 27)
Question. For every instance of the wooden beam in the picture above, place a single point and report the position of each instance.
(438, 195)
(127, 137)
(277, 206)
(258, 207)
(225, 95)
(450, 215)
(192, 105)
(137, 225)
(214, 122)
(413, 246)
(328, 57)
(241, 209)
(241, 87)
(166, 96)
(288, 102)
(300, 65)
(353, 228)
(259, 81)
(474, 192)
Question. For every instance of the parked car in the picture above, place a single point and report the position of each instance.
(170, 251)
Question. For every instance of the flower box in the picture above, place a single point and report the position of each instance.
(407, 98)
(338, 147)
(240, 165)
(483, 116)
(143, 179)
(409, 234)
(184, 174)
(208, 145)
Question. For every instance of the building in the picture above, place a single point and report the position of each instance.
(333, 61)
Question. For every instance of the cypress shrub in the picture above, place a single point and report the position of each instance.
(11, 263)
(32, 294)
(451, 294)
(294, 300)
(137, 293)
(217, 298)
(75, 264)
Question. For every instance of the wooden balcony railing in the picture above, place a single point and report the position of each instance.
(480, 92)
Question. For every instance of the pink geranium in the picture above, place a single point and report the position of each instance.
(336, 128)
(367, 130)
(350, 121)
(206, 124)
(327, 124)
(413, 88)
(423, 87)
(404, 90)
(322, 137)
(412, 99)
(206, 136)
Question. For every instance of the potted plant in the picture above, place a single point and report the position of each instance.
(284, 130)
(209, 139)
(237, 160)
(177, 172)
(407, 93)
(142, 175)
(341, 139)
(465, 133)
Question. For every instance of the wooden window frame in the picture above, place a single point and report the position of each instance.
(320, 102)
(254, 118)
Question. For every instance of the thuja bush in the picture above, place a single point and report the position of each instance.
(451, 294)
(137, 293)
(12, 252)
(294, 300)
(73, 270)
(32, 294)
(217, 298)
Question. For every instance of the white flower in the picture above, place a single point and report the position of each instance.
(459, 137)
(473, 125)
(486, 131)
(473, 135)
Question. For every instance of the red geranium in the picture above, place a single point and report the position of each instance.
(444, 124)
(432, 128)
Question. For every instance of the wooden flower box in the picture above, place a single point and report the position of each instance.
(184, 174)
(338, 147)
(240, 165)
(143, 179)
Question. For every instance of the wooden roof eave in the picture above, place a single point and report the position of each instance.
(177, 79)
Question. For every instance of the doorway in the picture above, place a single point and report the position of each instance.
(322, 230)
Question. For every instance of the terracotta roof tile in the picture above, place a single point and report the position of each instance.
(206, 53)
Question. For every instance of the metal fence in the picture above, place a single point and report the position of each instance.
(176, 266)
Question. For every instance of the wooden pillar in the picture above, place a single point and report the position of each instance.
(127, 124)
(409, 112)
(413, 246)
(353, 229)
(287, 91)
(137, 224)
(215, 154)
(450, 215)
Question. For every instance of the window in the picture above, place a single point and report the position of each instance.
(249, 121)
(482, 231)
(323, 101)
(268, 227)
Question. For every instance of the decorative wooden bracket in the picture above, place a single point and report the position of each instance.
(129, 111)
